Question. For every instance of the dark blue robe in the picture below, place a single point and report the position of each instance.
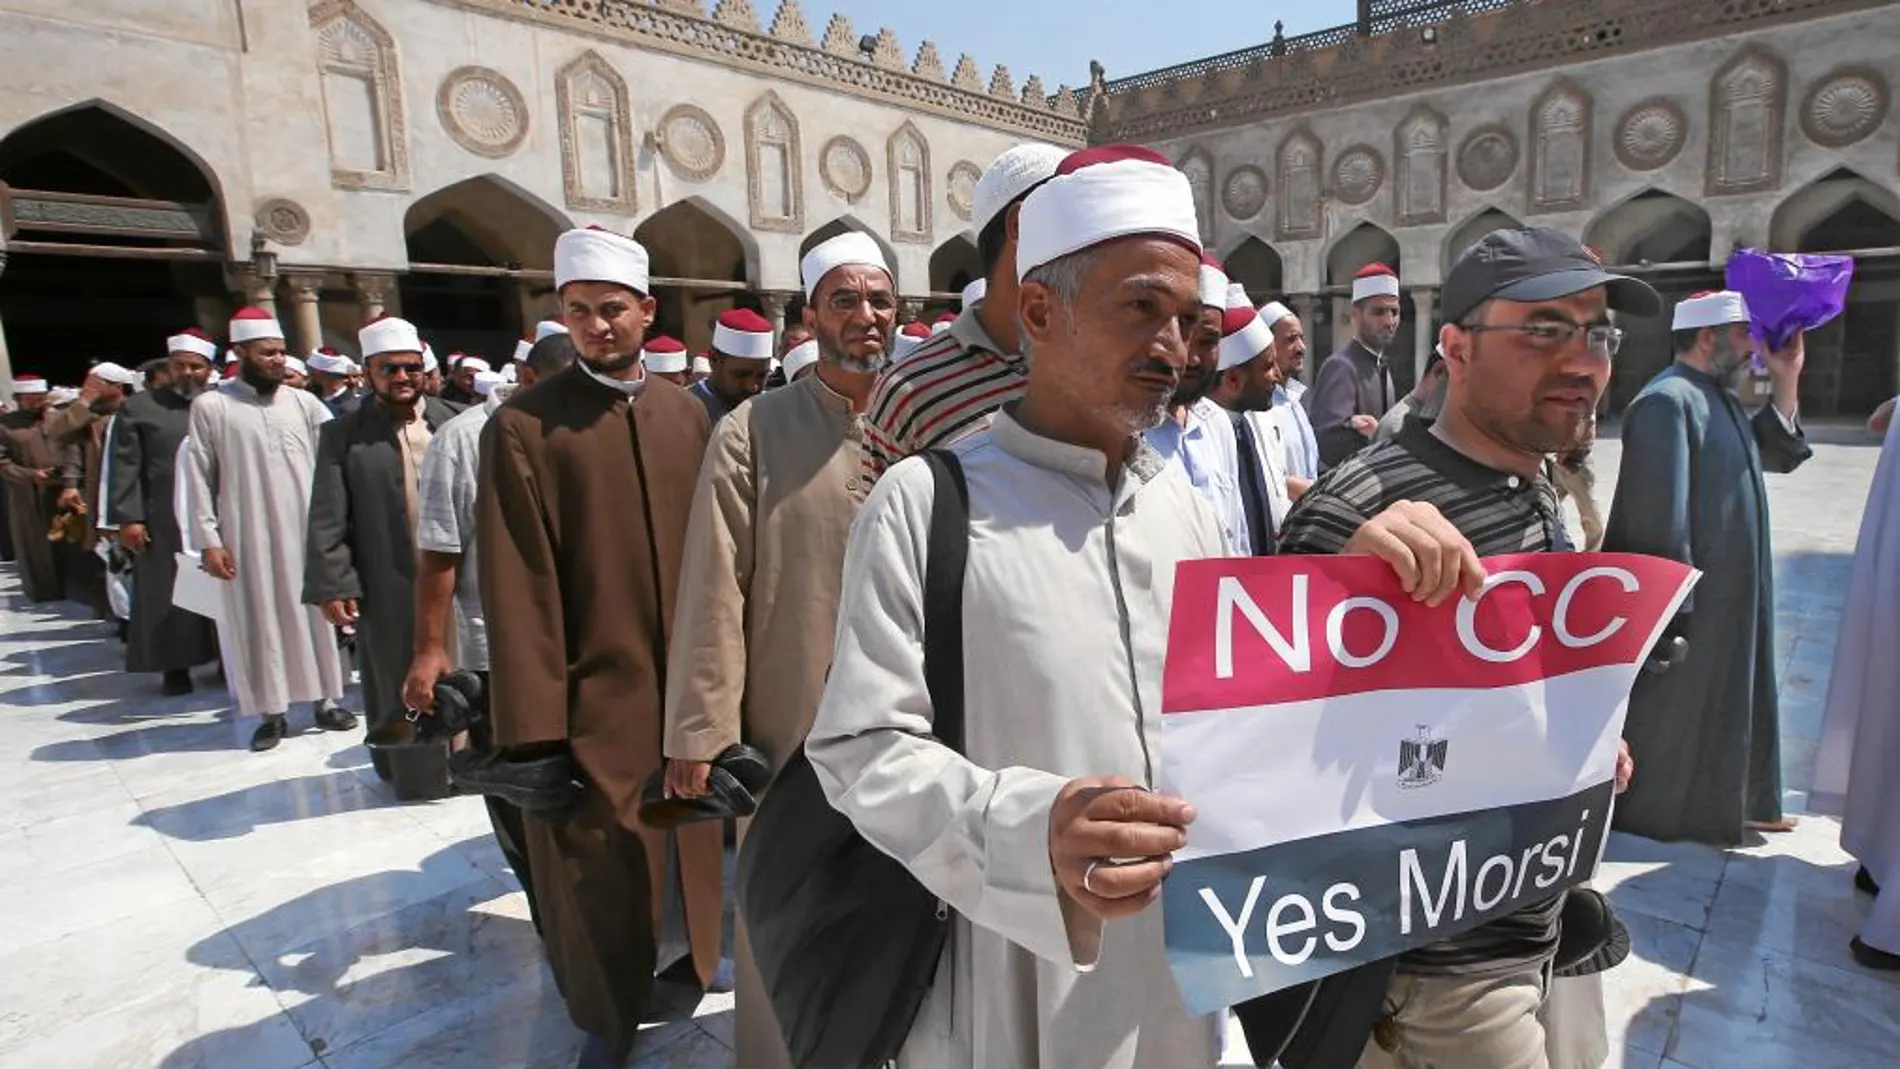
(1705, 734)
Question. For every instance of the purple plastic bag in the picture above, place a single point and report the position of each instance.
(1789, 292)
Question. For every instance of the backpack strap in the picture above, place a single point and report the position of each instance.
(947, 552)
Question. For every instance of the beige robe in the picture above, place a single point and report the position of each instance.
(759, 602)
(1065, 616)
(247, 481)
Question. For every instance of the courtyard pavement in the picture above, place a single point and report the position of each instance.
(168, 899)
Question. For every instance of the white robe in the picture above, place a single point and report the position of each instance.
(1053, 691)
(1860, 734)
(248, 478)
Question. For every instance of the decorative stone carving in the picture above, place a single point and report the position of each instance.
(888, 53)
(1300, 158)
(482, 111)
(907, 155)
(1747, 105)
(789, 24)
(1198, 166)
(362, 98)
(1650, 134)
(1001, 84)
(1487, 159)
(1845, 107)
(596, 121)
(1065, 103)
(928, 64)
(966, 76)
(1245, 192)
(960, 189)
(839, 40)
(1034, 95)
(737, 14)
(282, 221)
(1560, 149)
(775, 184)
(691, 142)
(1418, 157)
(1357, 174)
(845, 167)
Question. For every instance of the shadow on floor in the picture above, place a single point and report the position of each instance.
(237, 813)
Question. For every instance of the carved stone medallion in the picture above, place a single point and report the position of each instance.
(1845, 107)
(1487, 159)
(282, 221)
(845, 167)
(483, 111)
(691, 142)
(1357, 174)
(960, 190)
(1650, 134)
(1245, 192)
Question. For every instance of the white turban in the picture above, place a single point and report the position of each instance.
(388, 335)
(844, 250)
(1716, 309)
(1122, 196)
(596, 255)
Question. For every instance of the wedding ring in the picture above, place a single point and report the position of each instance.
(1088, 873)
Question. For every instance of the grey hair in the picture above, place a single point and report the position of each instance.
(1063, 276)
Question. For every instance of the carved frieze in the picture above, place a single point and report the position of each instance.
(1747, 107)
(1300, 158)
(1198, 166)
(1560, 149)
(960, 188)
(1358, 174)
(482, 111)
(1845, 107)
(1418, 157)
(845, 167)
(1650, 134)
(362, 98)
(596, 121)
(282, 220)
(907, 158)
(1487, 159)
(775, 184)
(691, 142)
(1245, 193)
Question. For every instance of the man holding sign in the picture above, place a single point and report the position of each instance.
(1527, 345)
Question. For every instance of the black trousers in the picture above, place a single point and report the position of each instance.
(509, 823)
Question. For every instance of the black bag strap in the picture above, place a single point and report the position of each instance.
(946, 554)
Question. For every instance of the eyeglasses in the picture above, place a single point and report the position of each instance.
(1550, 336)
(393, 370)
(848, 301)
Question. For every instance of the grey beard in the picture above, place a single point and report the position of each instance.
(187, 390)
(858, 365)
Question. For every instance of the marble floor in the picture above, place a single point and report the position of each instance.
(170, 900)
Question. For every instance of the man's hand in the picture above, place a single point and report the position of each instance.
(687, 779)
(219, 564)
(1432, 559)
(1110, 841)
(71, 501)
(135, 537)
(1365, 425)
(341, 612)
(44, 476)
(1786, 363)
(418, 688)
(1625, 766)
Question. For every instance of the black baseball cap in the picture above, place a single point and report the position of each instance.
(1537, 263)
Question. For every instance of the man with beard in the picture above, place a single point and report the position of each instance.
(765, 557)
(360, 566)
(1248, 378)
(1355, 384)
(1708, 728)
(951, 385)
(329, 375)
(460, 388)
(82, 425)
(587, 482)
(1288, 411)
(250, 451)
(1528, 342)
(741, 360)
(41, 477)
(431, 372)
(1198, 435)
(140, 493)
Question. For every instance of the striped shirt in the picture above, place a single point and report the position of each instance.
(1499, 512)
(946, 389)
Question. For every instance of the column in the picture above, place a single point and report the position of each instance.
(254, 289)
(775, 303)
(1341, 332)
(306, 324)
(372, 292)
(1306, 306)
(1424, 308)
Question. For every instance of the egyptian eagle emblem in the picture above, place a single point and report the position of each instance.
(1422, 759)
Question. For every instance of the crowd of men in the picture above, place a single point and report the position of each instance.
(652, 562)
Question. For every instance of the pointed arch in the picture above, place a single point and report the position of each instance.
(1363, 244)
(499, 224)
(1255, 264)
(1418, 160)
(907, 161)
(1652, 226)
(597, 143)
(1560, 148)
(775, 168)
(1825, 213)
(1467, 233)
(695, 238)
(361, 81)
(955, 264)
(1198, 166)
(845, 224)
(140, 156)
(1299, 160)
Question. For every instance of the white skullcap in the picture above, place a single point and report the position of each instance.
(1374, 280)
(429, 362)
(596, 255)
(116, 374)
(28, 384)
(330, 363)
(192, 341)
(387, 334)
(1127, 193)
(844, 250)
(474, 363)
(703, 366)
(254, 324)
(1237, 297)
(61, 395)
(1272, 312)
(975, 292)
(1008, 177)
(522, 348)
(1214, 283)
(743, 333)
(547, 328)
(799, 358)
(666, 363)
(511, 373)
(296, 365)
(1714, 309)
(1243, 336)
(486, 381)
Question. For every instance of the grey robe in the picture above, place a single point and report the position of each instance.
(1706, 734)
(361, 544)
(141, 481)
(1354, 381)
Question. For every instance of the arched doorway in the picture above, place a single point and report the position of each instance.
(1664, 239)
(116, 227)
(469, 245)
(955, 264)
(1473, 230)
(707, 264)
(844, 224)
(1255, 265)
(1851, 361)
(1362, 245)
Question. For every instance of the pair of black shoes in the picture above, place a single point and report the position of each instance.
(276, 726)
(1865, 956)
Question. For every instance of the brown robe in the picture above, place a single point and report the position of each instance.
(26, 448)
(582, 523)
(83, 430)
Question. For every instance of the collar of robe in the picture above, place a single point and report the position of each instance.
(629, 387)
(968, 330)
(1435, 453)
(1141, 467)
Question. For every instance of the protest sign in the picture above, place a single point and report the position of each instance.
(1373, 775)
